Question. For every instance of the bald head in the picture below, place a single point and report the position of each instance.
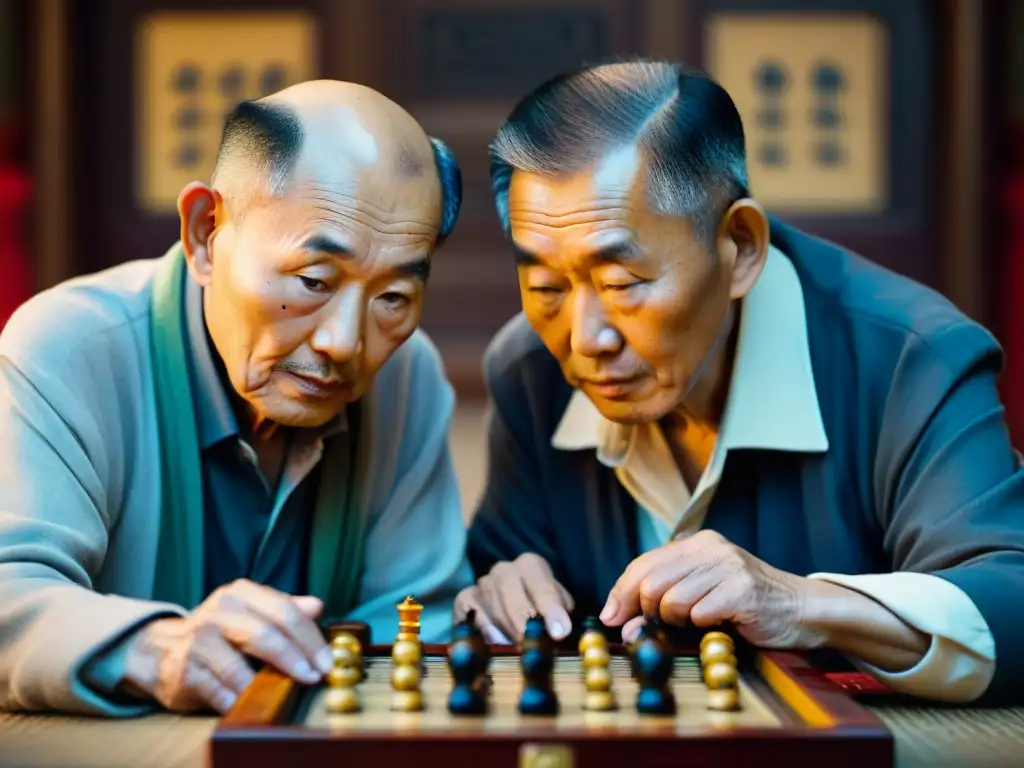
(328, 133)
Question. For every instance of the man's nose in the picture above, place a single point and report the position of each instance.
(340, 333)
(592, 336)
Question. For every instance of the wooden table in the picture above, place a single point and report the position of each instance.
(925, 737)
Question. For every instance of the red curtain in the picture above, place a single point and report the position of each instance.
(15, 198)
(1011, 309)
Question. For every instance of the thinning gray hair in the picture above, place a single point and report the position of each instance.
(685, 124)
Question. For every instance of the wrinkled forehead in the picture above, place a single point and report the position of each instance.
(611, 188)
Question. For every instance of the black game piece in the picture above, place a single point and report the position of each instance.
(652, 664)
(538, 662)
(467, 660)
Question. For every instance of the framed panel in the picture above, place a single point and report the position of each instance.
(151, 82)
(193, 68)
(882, 55)
(811, 91)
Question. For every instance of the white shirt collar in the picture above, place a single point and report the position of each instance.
(772, 402)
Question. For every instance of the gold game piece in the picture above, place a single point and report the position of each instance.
(409, 619)
(724, 699)
(716, 636)
(596, 656)
(344, 676)
(591, 638)
(719, 675)
(717, 653)
(342, 700)
(342, 696)
(599, 696)
(406, 652)
(405, 680)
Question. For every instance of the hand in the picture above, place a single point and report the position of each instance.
(199, 661)
(512, 592)
(707, 581)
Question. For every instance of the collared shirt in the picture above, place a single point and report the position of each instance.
(254, 531)
(772, 404)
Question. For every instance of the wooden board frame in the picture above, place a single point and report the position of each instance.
(824, 725)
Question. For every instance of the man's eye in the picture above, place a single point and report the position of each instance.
(394, 300)
(619, 286)
(545, 289)
(313, 284)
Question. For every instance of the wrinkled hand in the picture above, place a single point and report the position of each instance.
(200, 661)
(706, 580)
(512, 592)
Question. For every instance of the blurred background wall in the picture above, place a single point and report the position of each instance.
(895, 127)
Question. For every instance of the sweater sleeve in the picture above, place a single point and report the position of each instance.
(951, 488)
(512, 517)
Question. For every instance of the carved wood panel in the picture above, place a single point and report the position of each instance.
(460, 66)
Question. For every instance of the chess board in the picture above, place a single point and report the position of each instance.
(788, 710)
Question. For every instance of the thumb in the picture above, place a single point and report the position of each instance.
(309, 605)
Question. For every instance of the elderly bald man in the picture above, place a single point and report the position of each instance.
(204, 455)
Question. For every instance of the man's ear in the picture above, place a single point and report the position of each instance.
(198, 209)
(743, 238)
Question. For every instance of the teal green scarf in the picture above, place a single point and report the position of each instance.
(336, 546)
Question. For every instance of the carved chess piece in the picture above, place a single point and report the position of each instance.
(654, 663)
(342, 695)
(717, 646)
(597, 676)
(720, 671)
(468, 658)
(537, 658)
(409, 612)
(406, 675)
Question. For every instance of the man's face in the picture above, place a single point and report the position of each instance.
(628, 300)
(310, 294)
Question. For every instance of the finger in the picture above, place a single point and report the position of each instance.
(262, 640)
(665, 577)
(204, 685)
(491, 600)
(624, 598)
(675, 603)
(471, 600)
(631, 628)
(216, 654)
(313, 607)
(716, 607)
(542, 591)
(290, 620)
(567, 598)
(507, 601)
(487, 598)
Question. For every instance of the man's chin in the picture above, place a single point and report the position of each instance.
(302, 414)
(640, 410)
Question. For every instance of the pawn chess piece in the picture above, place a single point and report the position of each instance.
(344, 645)
(717, 646)
(597, 676)
(722, 680)
(537, 658)
(654, 663)
(468, 658)
(342, 695)
(406, 675)
(589, 638)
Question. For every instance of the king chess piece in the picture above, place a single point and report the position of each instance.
(537, 659)
(468, 659)
(653, 663)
